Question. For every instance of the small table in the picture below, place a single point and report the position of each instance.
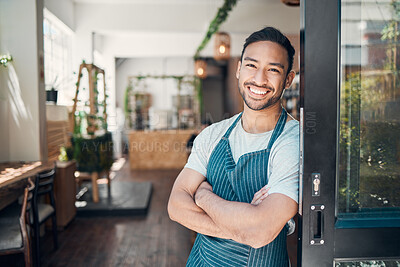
(14, 176)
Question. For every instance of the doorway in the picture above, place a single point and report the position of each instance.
(350, 147)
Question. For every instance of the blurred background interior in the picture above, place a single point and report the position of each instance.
(111, 92)
(108, 93)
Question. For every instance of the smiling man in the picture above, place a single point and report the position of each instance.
(239, 187)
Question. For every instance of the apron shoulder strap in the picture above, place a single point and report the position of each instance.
(230, 129)
(278, 128)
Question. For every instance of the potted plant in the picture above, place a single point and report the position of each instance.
(52, 94)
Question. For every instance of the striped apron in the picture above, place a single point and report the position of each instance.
(239, 182)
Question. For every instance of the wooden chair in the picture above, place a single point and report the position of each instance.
(41, 212)
(14, 237)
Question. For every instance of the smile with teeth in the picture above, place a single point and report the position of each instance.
(254, 91)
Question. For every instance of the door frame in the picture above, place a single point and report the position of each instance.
(319, 102)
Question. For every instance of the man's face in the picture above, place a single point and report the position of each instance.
(262, 74)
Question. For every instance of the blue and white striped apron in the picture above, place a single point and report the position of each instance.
(239, 182)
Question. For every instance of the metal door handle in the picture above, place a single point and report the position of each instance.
(317, 225)
(301, 167)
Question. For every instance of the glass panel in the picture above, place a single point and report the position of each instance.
(369, 144)
(369, 263)
(57, 43)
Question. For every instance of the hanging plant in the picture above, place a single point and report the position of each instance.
(221, 16)
(127, 108)
(4, 59)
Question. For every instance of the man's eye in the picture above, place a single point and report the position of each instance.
(274, 70)
(250, 65)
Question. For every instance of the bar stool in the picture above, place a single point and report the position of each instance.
(14, 237)
(41, 211)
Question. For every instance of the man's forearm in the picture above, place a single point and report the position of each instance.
(182, 209)
(248, 224)
(237, 218)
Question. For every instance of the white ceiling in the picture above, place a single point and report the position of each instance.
(184, 15)
(128, 27)
(155, 1)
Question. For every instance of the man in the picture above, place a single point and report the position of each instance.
(240, 185)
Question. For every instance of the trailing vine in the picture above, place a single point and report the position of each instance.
(127, 108)
(221, 16)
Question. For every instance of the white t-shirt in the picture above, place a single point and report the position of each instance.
(283, 164)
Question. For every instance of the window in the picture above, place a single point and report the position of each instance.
(369, 168)
(58, 58)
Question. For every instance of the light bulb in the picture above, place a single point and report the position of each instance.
(222, 49)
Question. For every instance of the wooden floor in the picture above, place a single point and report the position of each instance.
(152, 240)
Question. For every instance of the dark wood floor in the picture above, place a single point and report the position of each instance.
(152, 240)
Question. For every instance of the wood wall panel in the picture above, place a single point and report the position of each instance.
(57, 136)
(158, 149)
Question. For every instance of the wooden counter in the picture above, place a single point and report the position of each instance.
(149, 150)
(65, 192)
(13, 178)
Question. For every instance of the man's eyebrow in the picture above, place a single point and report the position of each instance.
(272, 63)
(250, 59)
(277, 64)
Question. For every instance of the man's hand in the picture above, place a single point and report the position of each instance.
(260, 196)
(257, 198)
(203, 188)
(246, 222)
(183, 209)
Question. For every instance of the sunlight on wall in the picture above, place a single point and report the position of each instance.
(18, 108)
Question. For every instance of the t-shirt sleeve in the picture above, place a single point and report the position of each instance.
(198, 157)
(284, 172)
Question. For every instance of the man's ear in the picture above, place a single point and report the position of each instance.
(289, 78)
(238, 69)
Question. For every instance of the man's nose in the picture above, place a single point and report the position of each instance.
(260, 78)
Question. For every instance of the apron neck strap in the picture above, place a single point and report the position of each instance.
(228, 132)
(277, 130)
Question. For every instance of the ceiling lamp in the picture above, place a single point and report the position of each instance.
(291, 2)
(222, 48)
(200, 68)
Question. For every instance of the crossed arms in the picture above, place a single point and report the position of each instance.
(193, 204)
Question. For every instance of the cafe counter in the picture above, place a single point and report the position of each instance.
(158, 149)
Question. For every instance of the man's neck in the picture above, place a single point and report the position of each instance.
(260, 121)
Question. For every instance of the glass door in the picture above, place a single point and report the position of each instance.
(350, 90)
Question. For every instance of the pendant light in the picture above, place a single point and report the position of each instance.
(222, 46)
(200, 68)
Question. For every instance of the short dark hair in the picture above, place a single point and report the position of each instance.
(273, 35)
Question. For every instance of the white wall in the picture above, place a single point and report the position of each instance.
(4, 133)
(22, 85)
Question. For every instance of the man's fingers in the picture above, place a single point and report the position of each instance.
(260, 198)
(260, 192)
(256, 196)
(264, 196)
